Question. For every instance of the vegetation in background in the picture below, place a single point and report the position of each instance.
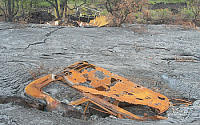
(122, 10)
(59, 7)
(166, 1)
(118, 11)
(194, 7)
(10, 9)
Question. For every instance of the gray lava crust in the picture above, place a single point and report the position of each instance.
(163, 58)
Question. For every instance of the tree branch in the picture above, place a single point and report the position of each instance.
(3, 11)
(52, 4)
(75, 6)
(17, 8)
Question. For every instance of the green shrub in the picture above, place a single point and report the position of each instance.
(160, 13)
(166, 1)
(187, 13)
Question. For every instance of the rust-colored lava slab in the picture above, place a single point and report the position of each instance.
(95, 82)
(98, 81)
(34, 89)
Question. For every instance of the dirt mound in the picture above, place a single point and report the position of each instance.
(40, 17)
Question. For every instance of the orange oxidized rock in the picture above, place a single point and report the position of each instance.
(95, 84)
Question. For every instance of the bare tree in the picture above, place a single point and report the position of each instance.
(194, 5)
(3, 10)
(10, 9)
(120, 9)
(59, 6)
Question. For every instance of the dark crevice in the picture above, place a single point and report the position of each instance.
(15, 100)
(182, 59)
(45, 57)
(49, 33)
(137, 86)
(127, 93)
(139, 99)
(161, 98)
(147, 97)
(63, 109)
(81, 66)
(198, 57)
(149, 47)
(58, 53)
(45, 39)
(7, 28)
(16, 61)
(113, 81)
(139, 109)
(159, 48)
(116, 95)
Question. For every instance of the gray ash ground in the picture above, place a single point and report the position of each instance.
(163, 58)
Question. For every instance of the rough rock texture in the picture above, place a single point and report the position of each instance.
(163, 58)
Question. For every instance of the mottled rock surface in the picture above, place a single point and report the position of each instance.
(163, 58)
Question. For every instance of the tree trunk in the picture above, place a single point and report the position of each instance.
(22, 7)
(57, 8)
(4, 13)
(63, 14)
(10, 16)
(12, 9)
